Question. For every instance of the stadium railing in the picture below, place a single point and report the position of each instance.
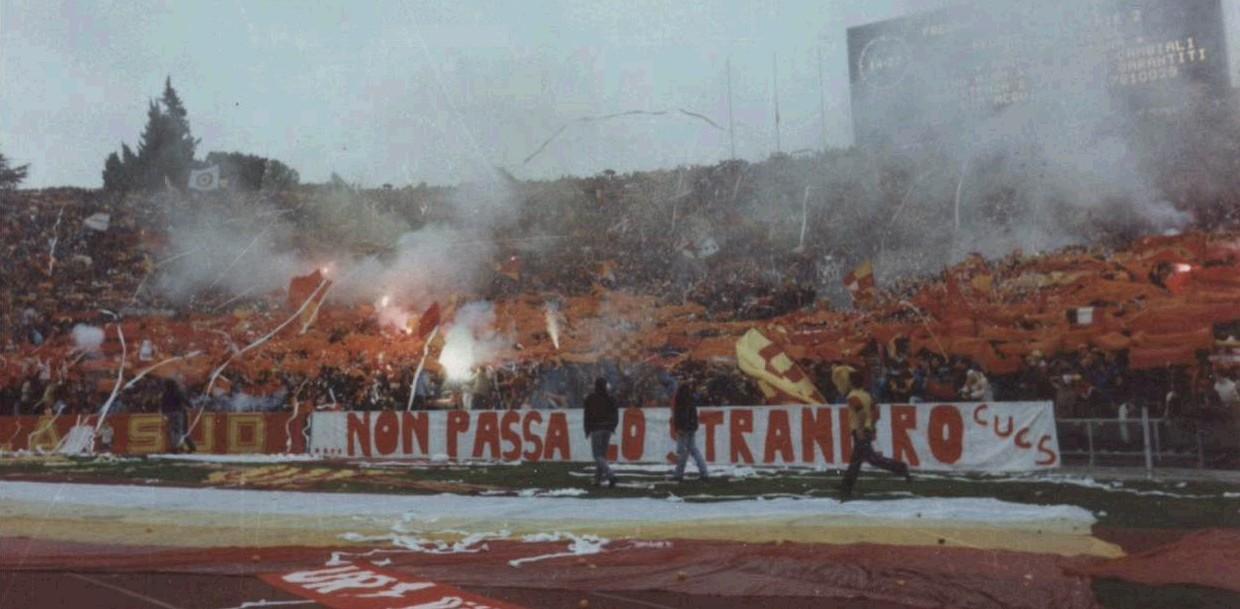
(1133, 441)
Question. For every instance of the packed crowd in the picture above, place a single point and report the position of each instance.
(701, 253)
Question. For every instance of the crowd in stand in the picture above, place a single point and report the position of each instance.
(61, 268)
(1089, 383)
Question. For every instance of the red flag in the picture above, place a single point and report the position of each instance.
(510, 268)
(956, 299)
(300, 288)
(428, 321)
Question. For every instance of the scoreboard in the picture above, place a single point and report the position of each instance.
(917, 78)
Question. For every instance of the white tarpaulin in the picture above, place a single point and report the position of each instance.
(1008, 436)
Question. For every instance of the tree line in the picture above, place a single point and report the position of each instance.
(165, 156)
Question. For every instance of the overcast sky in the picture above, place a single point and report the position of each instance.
(403, 92)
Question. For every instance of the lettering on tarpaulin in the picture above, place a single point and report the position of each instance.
(330, 581)
(356, 587)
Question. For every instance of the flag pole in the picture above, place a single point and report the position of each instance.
(804, 218)
(426, 350)
(822, 101)
(775, 87)
(731, 119)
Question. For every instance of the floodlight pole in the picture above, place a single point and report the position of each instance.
(822, 101)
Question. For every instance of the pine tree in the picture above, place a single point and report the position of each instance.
(10, 177)
(129, 160)
(114, 174)
(165, 149)
(252, 172)
(154, 150)
(119, 172)
(182, 144)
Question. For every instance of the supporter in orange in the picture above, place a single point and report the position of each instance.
(863, 417)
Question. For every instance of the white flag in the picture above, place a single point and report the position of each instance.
(205, 179)
(1081, 316)
(99, 221)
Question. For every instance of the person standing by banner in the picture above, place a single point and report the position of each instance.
(685, 425)
(173, 405)
(600, 421)
(863, 416)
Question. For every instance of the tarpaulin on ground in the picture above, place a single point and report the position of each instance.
(1204, 558)
(362, 585)
(1009, 436)
(915, 576)
(907, 575)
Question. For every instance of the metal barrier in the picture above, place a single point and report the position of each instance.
(1130, 441)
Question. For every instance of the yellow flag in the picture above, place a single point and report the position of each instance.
(764, 360)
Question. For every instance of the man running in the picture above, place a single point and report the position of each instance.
(862, 418)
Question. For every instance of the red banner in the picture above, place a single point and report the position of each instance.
(365, 586)
(137, 434)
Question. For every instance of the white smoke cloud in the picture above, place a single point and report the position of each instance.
(211, 250)
(252, 249)
(427, 264)
(1064, 166)
(470, 341)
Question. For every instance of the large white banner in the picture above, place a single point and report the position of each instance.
(1007, 436)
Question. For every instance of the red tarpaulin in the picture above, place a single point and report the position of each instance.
(1206, 558)
(918, 576)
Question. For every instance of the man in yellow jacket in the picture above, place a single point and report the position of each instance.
(863, 417)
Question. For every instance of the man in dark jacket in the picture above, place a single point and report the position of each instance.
(685, 426)
(172, 405)
(600, 420)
